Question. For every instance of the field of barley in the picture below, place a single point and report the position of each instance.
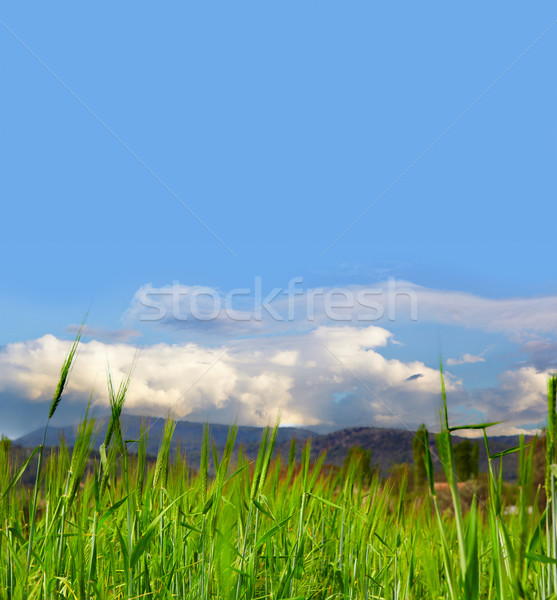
(122, 527)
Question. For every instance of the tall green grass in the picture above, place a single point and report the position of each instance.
(116, 525)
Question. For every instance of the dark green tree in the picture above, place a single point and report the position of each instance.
(419, 444)
(467, 459)
(475, 461)
(362, 459)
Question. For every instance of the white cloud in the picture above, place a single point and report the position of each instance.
(465, 359)
(286, 358)
(505, 315)
(519, 401)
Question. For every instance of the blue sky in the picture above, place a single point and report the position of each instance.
(278, 126)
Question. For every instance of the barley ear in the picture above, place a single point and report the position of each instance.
(64, 374)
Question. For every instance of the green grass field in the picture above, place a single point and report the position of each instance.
(122, 527)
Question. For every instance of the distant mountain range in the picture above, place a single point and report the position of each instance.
(388, 447)
(187, 433)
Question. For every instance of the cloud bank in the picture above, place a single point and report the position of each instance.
(335, 376)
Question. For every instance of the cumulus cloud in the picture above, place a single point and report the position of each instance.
(331, 376)
(465, 359)
(300, 376)
(286, 358)
(520, 401)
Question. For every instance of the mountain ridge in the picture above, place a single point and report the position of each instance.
(388, 446)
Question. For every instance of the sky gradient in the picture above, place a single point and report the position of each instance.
(200, 149)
